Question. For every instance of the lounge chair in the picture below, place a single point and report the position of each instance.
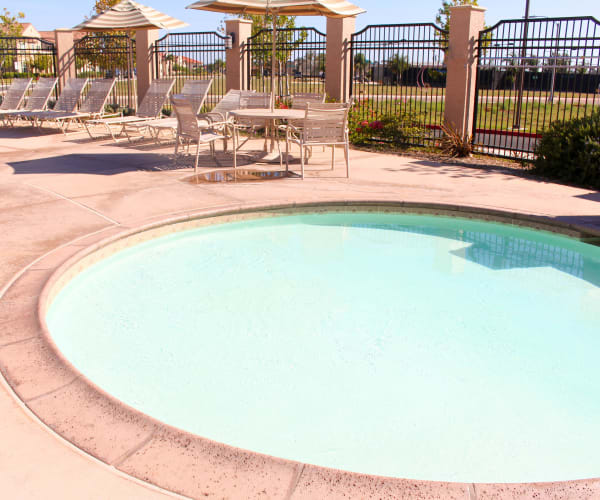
(66, 103)
(189, 128)
(37, 101)
(324, 124)
(150, 109)
(301, 99)
(15, 95)
(196, 92)
(92, 106)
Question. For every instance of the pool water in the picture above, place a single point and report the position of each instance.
(400, 345)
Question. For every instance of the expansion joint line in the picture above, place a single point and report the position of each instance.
(80, 205)
(294, 482)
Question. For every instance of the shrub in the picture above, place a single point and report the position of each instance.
(453, 143)
(400, 129)
(570, 151)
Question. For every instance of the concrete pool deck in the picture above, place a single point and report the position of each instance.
(60, 195)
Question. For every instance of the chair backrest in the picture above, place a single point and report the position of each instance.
(231, 101)
(301, 99)
(40, 94)
(326, 122)
(155, 98)
(196, 91)
(97, 95)
(255, 100)
(15, 94)
(187, 121)
(69, 96)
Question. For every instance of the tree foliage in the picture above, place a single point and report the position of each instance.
(397, 65)
(442, 18)
(9, 27)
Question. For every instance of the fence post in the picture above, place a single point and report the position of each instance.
(337, 59)
(236, 58)
(144, 44)
(65, 55)
(466, 22)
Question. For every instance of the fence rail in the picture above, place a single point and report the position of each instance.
(300, 58)
(195, 56)
(398, 70)
(531, 73)
(25, 57)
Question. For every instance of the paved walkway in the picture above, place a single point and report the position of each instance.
(54, 190)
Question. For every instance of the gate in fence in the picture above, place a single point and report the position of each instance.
(107, 56)
(300, 61)
(398, 75)
(530, 74)
(25, 57)
(194, 56)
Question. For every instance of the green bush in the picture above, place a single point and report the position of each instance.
(570, 151)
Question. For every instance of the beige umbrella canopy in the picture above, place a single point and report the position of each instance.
(128, 15)
(329, 8)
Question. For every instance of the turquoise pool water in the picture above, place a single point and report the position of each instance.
(399, 345)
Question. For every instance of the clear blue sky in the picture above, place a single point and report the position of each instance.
(48, 14)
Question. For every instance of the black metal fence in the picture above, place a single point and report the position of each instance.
(300, 61)
(192, 56)
(398, 70)
(530, 74)
(25, 57)
(107, 56)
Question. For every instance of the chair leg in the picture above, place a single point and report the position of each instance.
(332, 157)
(287, 154)
(197, 157)
(302, 161)
(347, 155)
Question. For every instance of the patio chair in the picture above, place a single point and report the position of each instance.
(15, 95)
(196, 92)
(189, 129)
(92, 106)
(37, 101)
(66, 103)
(301, 99)
(150, 109)
(324, 124)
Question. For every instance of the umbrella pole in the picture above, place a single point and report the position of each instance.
(273, 60)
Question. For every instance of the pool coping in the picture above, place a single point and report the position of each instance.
(137, 445)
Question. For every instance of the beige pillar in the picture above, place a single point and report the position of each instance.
(65, 56)
(236, 58)
(337, 61)
(144, 43)
(466, 22)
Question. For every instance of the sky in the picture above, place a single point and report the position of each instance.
(49, 15)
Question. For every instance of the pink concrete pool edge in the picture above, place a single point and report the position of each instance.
(177, 461)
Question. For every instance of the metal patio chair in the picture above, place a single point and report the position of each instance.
(92, 106)
(37, 101)
(150, 109)
(66, 103)
(324, 124)
(196, 91)
(189, 129)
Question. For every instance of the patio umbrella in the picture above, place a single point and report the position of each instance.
(128, 15)
(329, 8)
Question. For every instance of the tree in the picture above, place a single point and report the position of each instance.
(42, 63)
(442, 18)
(360, 65)
(9, 27)
(397, 65)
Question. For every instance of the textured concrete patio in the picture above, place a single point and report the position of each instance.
(61, 194)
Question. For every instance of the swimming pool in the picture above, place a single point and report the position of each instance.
(403, 345)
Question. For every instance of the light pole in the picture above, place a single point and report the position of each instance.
(517, 123)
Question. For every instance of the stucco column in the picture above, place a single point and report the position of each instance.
(65, 56)
(144, 43)
(236, 58)
(466, 22)
(337, 60)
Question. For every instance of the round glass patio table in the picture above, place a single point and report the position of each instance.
(268, 115)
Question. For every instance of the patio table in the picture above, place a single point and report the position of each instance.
(268, 115)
